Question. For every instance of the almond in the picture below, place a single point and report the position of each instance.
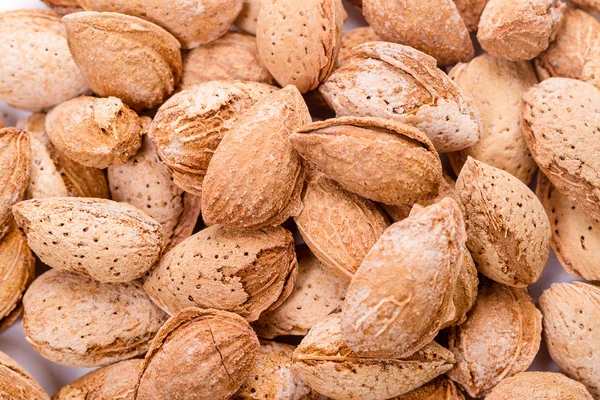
(64, 6)
(16, 383)
(539, 386)
(470, 11)
(441, 388)
(248, 18)
(353, 38)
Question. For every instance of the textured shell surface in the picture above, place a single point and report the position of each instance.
(353, 38)
(441, 388)
(248, 17)
(16, 383)
(470, 11)
(63, 7)
(539, 386)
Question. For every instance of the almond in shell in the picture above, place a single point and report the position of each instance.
(64, 7)
(16, 383)
(539, 386)
(441, 388)
(248, 17)
(353, 38)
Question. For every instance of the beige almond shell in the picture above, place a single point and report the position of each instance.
(496, 86)
(508, 232)
(589, 5)
(340, 227)
(241, 271)
(75, 321)
(38, 70)
(539, 386)
(399, 298)
(519, 29)
(500, 338)
(434, 27)
(466, 290)
(353, 38)
(571, 323)
(205, 354)
(255, 177)
(470, 11)
(441, 388)
(397, 82)
(188, 127)
(232, 56)
(318, 292)
(326, 364)
(124, 56)
(98, 238)
(16, 383)
(561, 124)
(298, 41)
(248, 17)
(376, 158)
(116, 381)
(63, 7)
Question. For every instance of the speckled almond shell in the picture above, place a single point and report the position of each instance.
(116, 381)
(500, 338)
(352, 39)
(400, 299)
(16, 383)
(206, 354)
(571, 323)
(519, 29)
(376, 158)
(318, 292)
(248, 18)
(326, 364)
(440, 388)
(188, 128)
(539, 386)
(397, 82)
(496, 86)
(255, 176)
(470, 11)
(64, 7)
(124, 56)
(560, 123)
(508, 232)
(242, 271)
(298, 41)
(102, 239)
(432, 26)
(76, 321)
(35, 55)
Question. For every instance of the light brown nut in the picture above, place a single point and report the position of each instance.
(571, 323)
(317, 293)
(397, 82)
(95, 132)
(76, 321)
(16, 383)
(326, 364)
(379, 159)
(116, 381)
(400, 299)
(539, 386)
(508, 232)
(188, 128)
(38, 70)
(470, 11)
(496, 86)
(102, 239)
(242, 271)
(298, 41)
(64, 6)
(432, 26)
(205, 354)
(340, 227)
(590, 5)
(255, 176)
(248, 18)
(232, 56)
(519, 29)
(124, 56)
(440, 388)
(352, 39)
(560, 124)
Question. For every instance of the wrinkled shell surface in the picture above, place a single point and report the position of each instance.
(539, 386)
(440, 388)
(16, 383)
(470, 11)
(352, 39)
(248, 18)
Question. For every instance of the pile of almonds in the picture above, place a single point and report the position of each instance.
(235, 200)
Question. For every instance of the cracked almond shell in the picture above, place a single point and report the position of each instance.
(539, 386)
(441, 388)
(16, 383)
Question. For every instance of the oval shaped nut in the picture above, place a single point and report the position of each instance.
(35, 55)
(124, 57)
(102, 239)
(255, 176)
(397, 82)
(539, 386)
(379, 159)
(432, 26)
(116, 381)
(95, 132)
(326, 364)
(205, 353)
(248, 17)
(519, 29)
(188, 128)
(560, 124)
(63, 7)
(73, 320)
(16, 383)
(242, 271)
(500, 338)
(318, 292)
(470, 11)
(400, 299)
(441, 388)
(496, 86)
(571, 321)
(508, 232)
(298, 41)
(353, 38)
